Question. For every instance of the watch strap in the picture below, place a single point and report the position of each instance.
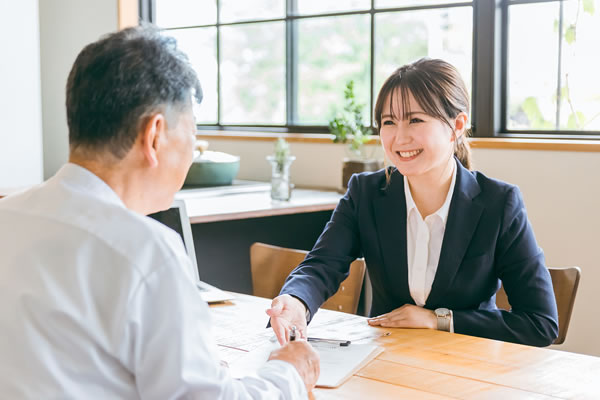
(443, 321)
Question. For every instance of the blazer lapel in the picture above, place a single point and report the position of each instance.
(463, 217)
(390, 219)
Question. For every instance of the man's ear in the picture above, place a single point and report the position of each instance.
(153, 131)
(460, 126)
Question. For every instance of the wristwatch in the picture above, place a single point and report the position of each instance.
(444, 316)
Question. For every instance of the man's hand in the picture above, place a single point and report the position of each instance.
(303, 357)
(287, 311)
(407, 316)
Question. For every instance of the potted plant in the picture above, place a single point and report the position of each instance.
(348, 127)
(281, 160)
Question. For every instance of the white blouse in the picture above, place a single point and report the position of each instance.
(424, 243)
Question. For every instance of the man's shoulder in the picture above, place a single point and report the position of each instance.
(145, 242)
(133, 238)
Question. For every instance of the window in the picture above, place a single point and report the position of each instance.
(550, 75)
(282, 64)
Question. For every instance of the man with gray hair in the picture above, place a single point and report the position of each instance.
(96, 299)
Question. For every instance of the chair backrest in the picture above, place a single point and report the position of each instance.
(565, 282)
(271, 265)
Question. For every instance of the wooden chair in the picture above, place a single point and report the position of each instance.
(271, 265)
(565, 282)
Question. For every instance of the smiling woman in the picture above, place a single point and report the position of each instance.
(428, 96)
(437, 238)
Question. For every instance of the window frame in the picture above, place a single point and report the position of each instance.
(503, 107)
(489, 95)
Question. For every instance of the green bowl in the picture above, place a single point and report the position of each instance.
(213, 168)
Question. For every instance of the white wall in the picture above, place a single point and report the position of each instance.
(66, 26)
(20, 108)
(561, 192)
(318, 164)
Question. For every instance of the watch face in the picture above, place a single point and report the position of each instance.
(442, 312)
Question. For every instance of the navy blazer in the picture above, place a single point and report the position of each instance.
(488, 240)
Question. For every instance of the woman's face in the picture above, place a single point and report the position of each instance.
(416, 143)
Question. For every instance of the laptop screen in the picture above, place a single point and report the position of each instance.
(177, 219)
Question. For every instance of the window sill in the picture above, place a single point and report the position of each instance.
(536, 144)
(476, 143)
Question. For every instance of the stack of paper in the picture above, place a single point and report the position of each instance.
(338, 363)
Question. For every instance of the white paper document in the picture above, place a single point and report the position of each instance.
(338, 363)
(245, 344)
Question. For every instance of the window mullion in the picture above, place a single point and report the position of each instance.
(291, 63)
(559, 70)
(372, 67)
(488, 24)
(219, 97)
(147, 10)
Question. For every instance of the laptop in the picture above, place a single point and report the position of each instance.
(177, 219)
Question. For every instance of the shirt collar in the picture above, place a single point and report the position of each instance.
(80, 179)
(443, 210)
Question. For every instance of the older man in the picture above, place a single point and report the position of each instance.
(95, 300)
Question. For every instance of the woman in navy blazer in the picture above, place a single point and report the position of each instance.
(421, 114)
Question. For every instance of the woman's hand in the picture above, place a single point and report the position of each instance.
(407, 316)
(287, 311)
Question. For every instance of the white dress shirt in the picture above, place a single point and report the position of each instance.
(98, 302)
(424, 243)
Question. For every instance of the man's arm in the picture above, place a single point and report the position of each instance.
(171, 352)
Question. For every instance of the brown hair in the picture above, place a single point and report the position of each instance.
(438, 88)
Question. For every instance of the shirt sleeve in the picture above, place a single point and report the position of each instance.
(171, 354)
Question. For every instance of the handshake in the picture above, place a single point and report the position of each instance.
(286, 312)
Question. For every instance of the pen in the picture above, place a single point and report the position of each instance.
(293, 334)
(331, 341)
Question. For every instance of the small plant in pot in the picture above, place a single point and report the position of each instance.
(281, 187)
(348, 127)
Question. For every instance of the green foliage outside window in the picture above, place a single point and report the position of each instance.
(577, 119)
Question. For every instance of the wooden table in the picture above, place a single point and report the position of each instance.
(427, 364)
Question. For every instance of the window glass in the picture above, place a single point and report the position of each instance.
(551, 87)
(580, 64)
(179, 13)
(411, 3)
(200, 45)
(405, 36)
(236, 10)
(330, 6)
(253, 74)
(332, 51)
(532, 67)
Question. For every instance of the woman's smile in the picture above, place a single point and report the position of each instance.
(409, 155)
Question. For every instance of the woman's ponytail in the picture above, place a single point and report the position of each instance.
(462, 150)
